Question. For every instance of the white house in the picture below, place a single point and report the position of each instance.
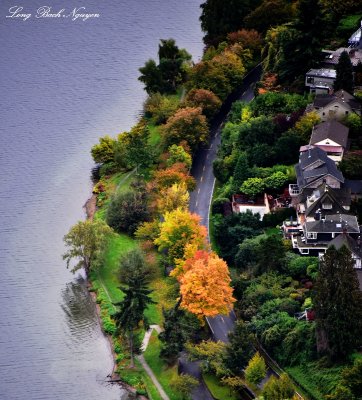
(332, 137)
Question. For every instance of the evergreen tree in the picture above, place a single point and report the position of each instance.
(131, 310)
(241, 172)
(220, 17)
(170, 71)
(358, 74)
(344, 69)
(337, 303)
(178, 327)
(240, 348)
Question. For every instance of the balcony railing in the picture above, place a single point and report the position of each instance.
(294, 190)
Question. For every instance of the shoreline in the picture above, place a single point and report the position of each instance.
(90, 208)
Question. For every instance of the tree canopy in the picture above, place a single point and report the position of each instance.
(205, 285)
(169, 72)
(337, 303)
(86, 242)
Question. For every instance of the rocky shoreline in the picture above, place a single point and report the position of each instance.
(90, 208)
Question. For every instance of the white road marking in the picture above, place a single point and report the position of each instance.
(203, 168)
(201, 178)
(196, 203)
(198, 191)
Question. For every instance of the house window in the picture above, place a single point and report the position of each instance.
(312, 235)
(304, 251)
(310, 79)
(324, 113)
(346, 112)
(327, 206)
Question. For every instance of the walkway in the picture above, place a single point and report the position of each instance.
(144, 364)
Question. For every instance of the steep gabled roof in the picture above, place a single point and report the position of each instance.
(341, 96)
(314, 164)
(348, 241)
(327, 195)
(332, 130)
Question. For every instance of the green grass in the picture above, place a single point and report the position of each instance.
(155, 136)
(218, 391)
(108, 273)
(163, 373)
(272, 231)
(314, 380)
(163, 295)
(349, 24)
(120, 183)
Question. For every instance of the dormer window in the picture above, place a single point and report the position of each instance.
(327, 206)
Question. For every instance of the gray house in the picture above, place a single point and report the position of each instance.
(320, 81)
(313, 169)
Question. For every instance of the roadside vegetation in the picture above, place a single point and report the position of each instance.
(148, 257)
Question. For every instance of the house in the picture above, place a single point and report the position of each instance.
(260, 205)
(320, 81)
(356, 39)
(334, 106)
(354, 246)
(322, 213)
(332, 137)
(320, 231)
(331, 57)
(323, 200)
(354, 51)
(313, 169)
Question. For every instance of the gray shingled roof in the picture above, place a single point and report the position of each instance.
(334, 223)
(337, 197)
(308, 158)
(341, 96)
(333, 130)
(348, 241)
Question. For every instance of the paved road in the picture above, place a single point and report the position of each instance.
(200, 198)
(200, 392)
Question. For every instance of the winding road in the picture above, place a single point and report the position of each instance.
(202, 171)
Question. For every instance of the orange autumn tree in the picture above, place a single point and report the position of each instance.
(176, 173)
(205, 285)
(180, 230)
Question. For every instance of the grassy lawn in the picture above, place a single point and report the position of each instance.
(272, 231)
(155, 136)
(163, 295)
(315, 381)
(218, 391)
(108, 273)
(163, 373)
(349, 23)
(120, 183)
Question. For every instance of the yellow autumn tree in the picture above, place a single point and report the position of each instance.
(180, 229)
(173, 197)
(306, 123)
(205, 285)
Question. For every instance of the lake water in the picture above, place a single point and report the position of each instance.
(63, 84)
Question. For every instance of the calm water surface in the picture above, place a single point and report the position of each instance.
(63, 84)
